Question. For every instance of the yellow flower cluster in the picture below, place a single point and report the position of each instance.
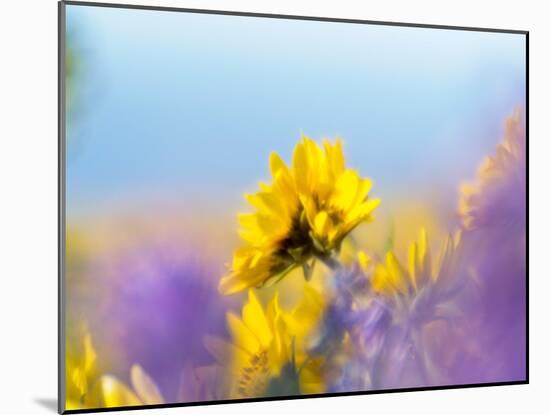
(391, 278)
(85, 388)
(267, 343)
(305, 213)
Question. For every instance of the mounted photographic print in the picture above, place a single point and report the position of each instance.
(258, 207)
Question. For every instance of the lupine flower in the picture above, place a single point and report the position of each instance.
(388, 329)
(353, 329)
(305, 213)
(493, 213)
(497, 196)
(367, 329)
(266, 355)
(150, 295)
(386, 312)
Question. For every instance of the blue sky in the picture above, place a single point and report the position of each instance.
(190, 106)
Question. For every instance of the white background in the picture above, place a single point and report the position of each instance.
(28, 191)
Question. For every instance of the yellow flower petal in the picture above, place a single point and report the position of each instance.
(115, 393)
(300, 168)
(242, 336)
(364, 261)
(335, 157)
(144, 386)
(276, 164)
(322, 224)
(255, 319)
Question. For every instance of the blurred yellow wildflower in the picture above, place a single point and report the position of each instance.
(497, 196)
(81, 373)
(393, 279)
(86, 388)
(112, 392)
(305, 213)
(268, 354)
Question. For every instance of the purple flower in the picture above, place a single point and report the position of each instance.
(160, 301)
(493, 211)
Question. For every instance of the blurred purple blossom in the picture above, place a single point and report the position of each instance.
(161, 300)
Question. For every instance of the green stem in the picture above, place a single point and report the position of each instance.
(330, 262)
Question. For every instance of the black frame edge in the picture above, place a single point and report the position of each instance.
(527, 206)
(61, 374)
(290, 17)
(295, 397)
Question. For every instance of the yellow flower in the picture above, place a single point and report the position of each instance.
(268, 348)
(393, 279)
(85, 388)
(497, 197)
(305, 213)
(81, 373)
(114, 393)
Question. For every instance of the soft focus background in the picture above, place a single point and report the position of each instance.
(185, 108)
(29, 225)
(172, 117)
